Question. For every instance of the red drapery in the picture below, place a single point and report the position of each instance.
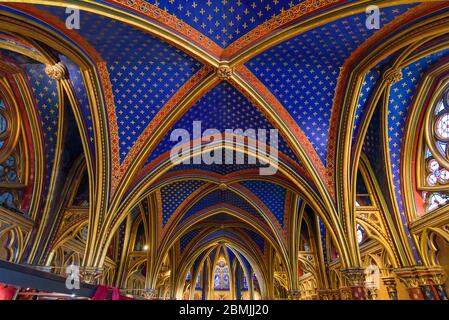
(102, 293)
(7, 292)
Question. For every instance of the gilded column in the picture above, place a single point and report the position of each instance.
(372, 293)
(391, 285)
(356, 280)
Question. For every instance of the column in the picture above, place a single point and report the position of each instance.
(356, 280)
(436, 279)
(390, 284)
(372, 293)
(238, 281)
(90, 275)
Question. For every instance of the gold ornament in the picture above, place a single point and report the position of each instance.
(224, 72)
(392, 76)
(56, 71)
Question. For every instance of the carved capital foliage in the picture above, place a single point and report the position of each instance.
(56, 71)
(414, 277)
(345, 294)
(224, 72)
(90, 275)
(354, 276)
(329, 294)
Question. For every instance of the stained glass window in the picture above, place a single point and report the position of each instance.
(140, 238)
(221, 276)
(436, 156)
(245, 283)
(3, 124)
(10, 182)
(198, 281)
(360, 234)
(7, 200)
(8, 172)
(255, 282)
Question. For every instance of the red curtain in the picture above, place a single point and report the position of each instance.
(7, 292)
(102, 293)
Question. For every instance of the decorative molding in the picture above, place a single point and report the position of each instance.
(393, 75)
(414, 277)
(56, 71)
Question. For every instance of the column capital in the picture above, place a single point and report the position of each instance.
(416, 276)
(421, 281)
(356, 283)
(90, 275)
(328, 294)
(150, 294)
(354, 276)
(391, 285)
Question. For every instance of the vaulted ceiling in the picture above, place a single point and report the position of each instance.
(139, 69)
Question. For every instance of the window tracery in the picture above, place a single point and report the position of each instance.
(361, 236)
(436, 155)
(221, 275)
(11, 186)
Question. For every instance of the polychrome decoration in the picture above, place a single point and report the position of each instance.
(224, 149)
(221, 276)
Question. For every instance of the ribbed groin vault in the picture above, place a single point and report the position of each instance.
(228, 150)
